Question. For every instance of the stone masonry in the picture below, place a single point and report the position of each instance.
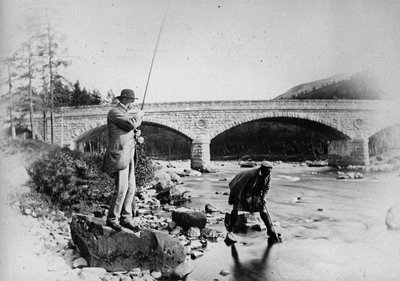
(353, 120)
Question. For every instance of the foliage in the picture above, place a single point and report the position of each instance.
(83, 97)
(34, 74)
(72, 177)
(145, 168)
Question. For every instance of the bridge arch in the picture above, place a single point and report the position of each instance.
(92, 129)
(278, 115)
(85, 132)
(169, 125)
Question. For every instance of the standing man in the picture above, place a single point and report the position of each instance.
(249, 190)
(119, 160)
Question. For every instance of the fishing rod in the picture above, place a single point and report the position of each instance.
(152, 60)
(139, 139)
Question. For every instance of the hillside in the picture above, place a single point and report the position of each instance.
(358, 86)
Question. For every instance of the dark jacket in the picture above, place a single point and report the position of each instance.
(247, 184)
(121, 142)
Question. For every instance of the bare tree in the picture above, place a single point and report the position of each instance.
(25, 63)
(8, 99)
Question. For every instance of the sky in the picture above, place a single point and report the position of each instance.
(214, 50)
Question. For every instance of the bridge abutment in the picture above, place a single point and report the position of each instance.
(200, 153)
(348, 152)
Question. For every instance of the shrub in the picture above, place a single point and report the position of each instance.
(73, 178)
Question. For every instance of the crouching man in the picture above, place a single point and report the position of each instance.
(248, 191)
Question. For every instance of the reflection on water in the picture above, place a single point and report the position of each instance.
(255, 269)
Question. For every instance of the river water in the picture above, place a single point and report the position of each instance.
(332, 229)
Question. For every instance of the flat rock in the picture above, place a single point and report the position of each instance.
(181, 271)
(92, 273)
(113, 250)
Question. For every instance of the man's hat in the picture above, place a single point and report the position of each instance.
(127, 93)
(266, 164)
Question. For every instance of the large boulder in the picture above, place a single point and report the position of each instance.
(187, 218)
(162, 180)
(123, 250)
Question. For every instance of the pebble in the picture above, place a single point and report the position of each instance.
(156, 274)
(224, 272)
(136, 272)
(92, 273)
(196, 254)
(193, 232)
(145, 272)
(176, 231)
(113, 278)
(196, 244)
(79, 263)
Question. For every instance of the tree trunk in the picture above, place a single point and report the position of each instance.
(44, 125)
(12, 125)
(52, 126)
(30, 93)
(51, 85)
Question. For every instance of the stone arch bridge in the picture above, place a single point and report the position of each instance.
(349, 122)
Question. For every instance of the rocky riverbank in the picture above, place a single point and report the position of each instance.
(47, 231)
(37, 242)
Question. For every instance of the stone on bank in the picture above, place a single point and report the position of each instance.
(187, 218)
(104, 247)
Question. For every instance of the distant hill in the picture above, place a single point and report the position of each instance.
(344, 86)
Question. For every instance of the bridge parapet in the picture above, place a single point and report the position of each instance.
(354, 119)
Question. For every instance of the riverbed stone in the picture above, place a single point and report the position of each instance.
(162, 180)
(193, 232)
(392, 220)
(156, 274)
(92, 273)
(175, 178)
(187, 218)
(181, 271)
(121, 250)
(136, 272)
(210, 209)
(79, 263)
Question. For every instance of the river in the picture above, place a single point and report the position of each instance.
(332, 229)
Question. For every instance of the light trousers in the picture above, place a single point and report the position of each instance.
(124, 194)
